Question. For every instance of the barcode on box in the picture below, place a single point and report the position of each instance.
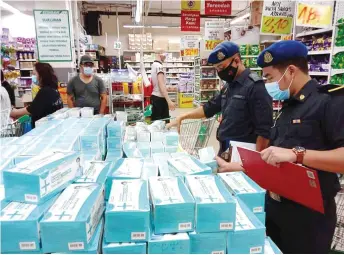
(76, 246)
(31, 198)
(27, 245)
(255, 250)
(218, 252)
(138, 235)
(185, 226)
(258, 209)
(226, 225)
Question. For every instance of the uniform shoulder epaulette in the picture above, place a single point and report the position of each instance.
(255, 77)
(332, 89)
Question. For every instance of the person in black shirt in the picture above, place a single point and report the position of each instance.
(9, 89)
(47, 100)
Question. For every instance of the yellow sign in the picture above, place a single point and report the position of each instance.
(314, 15)
(190, 52)
(191, 5)
(287, 37)
(277, 25)
(185, 100)
(211, 44)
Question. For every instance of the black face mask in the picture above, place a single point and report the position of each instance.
(228, 74)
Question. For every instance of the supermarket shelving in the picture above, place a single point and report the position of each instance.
(314, 32)
(318, 73)
(322, 52)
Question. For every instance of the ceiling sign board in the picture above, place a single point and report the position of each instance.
(214, 34)
(218, 7)
(53, 35)
(191, 5)
(190, 21)
(189, 45)
(314, 15)
(277, 17)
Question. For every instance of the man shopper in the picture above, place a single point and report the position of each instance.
(87, 89)
(244, 102)
(161, 102)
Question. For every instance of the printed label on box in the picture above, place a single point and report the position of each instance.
(125, 195)
(242, 222)
(226, 225)
(205, 188)
(31, 198)
(256, 250)
(15, 211)
(129, 168)
(138, 235)
(166, 190)
(76, 246)
(218, 252)
(185, 226)
(69, 203)
(238, 183)
(27, 245)
(258, 209)
(92, 173)
(185, 165)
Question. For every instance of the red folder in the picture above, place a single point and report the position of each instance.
(294, 182)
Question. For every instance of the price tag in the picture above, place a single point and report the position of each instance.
(314, 15)
(117, 45)
(276, 25)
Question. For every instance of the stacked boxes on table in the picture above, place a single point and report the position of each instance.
(115, 132)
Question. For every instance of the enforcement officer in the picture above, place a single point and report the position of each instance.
(244, 102)
(308, 130)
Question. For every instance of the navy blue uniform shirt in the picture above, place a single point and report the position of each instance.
(314, 120)
(246, 109)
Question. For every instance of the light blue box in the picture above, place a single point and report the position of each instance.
(157, 147)
(261, 217)
(171, 149)
(149, 169)
(115, 128)
(127, 215)
(5, 163)
(124, 168)
(10, 151)
(66, 143)
(211, 195)
(19, 223)
(243, 187)
(145, 149)
(40, 145)
(169, 244)
(160, 159)
(25, 140)
(131, 151)
(173, 205)
(96, 173)
(74, 216)
(187, 165)
(124, 248)
(113, 157)
(87, 158)
(208, 243)
(249, 234)
(39, 178)
(171, 138)
(114, 143)
(207, 156)
(270, 247)
(4, 141)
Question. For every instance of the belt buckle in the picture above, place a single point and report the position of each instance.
(275, 196)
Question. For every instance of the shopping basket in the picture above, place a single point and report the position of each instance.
(338, 239)
(17, 128)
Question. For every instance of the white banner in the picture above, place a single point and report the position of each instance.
(214, 34)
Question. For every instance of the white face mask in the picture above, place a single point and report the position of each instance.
(88, 70)
(275, 92)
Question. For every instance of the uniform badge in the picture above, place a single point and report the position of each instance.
(268, 57)
(302, 97)
(220, 55)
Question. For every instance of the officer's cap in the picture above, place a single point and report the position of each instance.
(223, 51)
(280, 52)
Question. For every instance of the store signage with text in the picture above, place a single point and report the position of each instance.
(214, 34)
(190, 21)
(218, 7)
(191, 5)
(314, 15)
(117, 45)
(277, 17)
(53, 35)
(189, 45)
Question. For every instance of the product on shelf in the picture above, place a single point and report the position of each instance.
(338, 61)
(208, 84)
(208, 73)
(339, 42)
(319, 63)
(318, 42)
(247, 49)
(337, 79)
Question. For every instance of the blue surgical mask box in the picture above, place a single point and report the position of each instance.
(124, 248)
(208, 243)
(270, 247)
(173, 205)
(115, 129)
(241, 186)
(149, 169)
(171, 149)
(169, 244)
(114, 143)
(40, 145)
(157, 136)
(96, 173)
(5, 163)
(19, 226)
(39, 178)
(124, 168)
(145, 149)
(160, 159)
(74, 216)
(5, 141)
(171, 139)
(211, 195)
(24, 140)
(157, 147)
(187, 165)
(66, 143)
(261, 217)
(87, 158)
(249, 234)
(112, 157)
(207, 156)
(130, 150)
(127, 215)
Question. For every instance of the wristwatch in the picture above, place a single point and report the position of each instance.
(300, 153)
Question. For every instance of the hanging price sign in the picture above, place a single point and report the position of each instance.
(214, 34)
(314, 15)
(276, 25)
(189, 45)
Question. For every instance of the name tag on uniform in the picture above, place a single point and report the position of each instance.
(239, 97)
(296, 121)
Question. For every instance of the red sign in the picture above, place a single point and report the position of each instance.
(190, 21)
(218, 7)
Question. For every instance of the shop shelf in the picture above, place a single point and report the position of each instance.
(321, 52)
(337, 71)
(314, 32)
(27, 60)
(338, 49)
(318, 73)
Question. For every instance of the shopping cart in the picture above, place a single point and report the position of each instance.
(338, 239)
(17, 128)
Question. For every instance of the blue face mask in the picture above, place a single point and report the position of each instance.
(275, 92)
(88, 70)
(34, 79)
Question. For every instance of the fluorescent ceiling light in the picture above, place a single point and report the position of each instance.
(133, 26)
(241, 18)
(8, 7)
(138, 11)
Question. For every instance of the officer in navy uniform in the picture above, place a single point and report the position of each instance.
(245, 105)
(308, 130)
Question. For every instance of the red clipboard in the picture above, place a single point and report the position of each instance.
(294, 182)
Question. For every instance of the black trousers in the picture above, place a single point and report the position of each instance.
(297, 229)
(159, 108)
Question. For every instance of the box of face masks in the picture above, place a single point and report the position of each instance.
(145, 149)
(149, 169)
(40, 145)
(5, 163)
(261, 217)
(160, 159)
(115, 128)
(171, 139)
(66, 143)
(249, 234)
(127, 215)
(87, 158)
(19, 222)
(208, 243)
(173, 205)
(171, 149)
(39, 178)
(169, 244)
(157, 147)
(270, 247)
(74, 216)
(207, 156)
(187, 165)
(211, 195)
(131, 151)
(240, 185)
(124, 248)
(114, 143)
(124, 168)
(96, 173)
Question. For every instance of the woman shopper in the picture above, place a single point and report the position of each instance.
(9, 89)
(47, 100)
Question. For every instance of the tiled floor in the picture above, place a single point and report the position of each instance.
(212, 139)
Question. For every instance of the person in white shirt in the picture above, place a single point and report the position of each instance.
(161, 103)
